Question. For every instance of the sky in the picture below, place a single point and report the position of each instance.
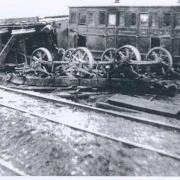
(42, 8)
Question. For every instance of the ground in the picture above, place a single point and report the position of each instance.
(39, 147)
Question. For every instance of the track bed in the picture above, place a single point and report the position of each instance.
(46, 141)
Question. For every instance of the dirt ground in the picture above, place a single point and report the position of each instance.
(39, 147)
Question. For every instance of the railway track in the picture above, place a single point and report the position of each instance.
(84, 129)
(6, 166)
(99, 110)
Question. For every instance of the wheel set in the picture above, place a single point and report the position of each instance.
(79, 62)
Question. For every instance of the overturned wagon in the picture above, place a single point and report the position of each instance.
(124, 32)
(149, 33)
(112, 35)
(20, 37)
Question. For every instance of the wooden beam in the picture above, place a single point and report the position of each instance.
(145, 105)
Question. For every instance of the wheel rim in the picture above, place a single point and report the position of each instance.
(81, 62)
(126, 54)
(163, 56)
(41, 54)
(108, 55)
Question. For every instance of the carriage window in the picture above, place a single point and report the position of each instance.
(133, 19)
(130, 19)
(91, 18)
(177, 19)
(73, 18)
(167, 19)
(82, 18)
(144, 20)
(102, 18)
(112, 19)
(154, 20)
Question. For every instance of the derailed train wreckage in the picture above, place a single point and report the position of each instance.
(102, 49)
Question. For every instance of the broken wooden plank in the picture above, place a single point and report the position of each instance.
(105, 105)
(23, 31)
(66, 81)
(19, 21)
(93, 83)
(34, 88)
(136, 117)
(4, 30)
(68, 95)
(75, 94)
(53, 82)
(144, 105)
(4, 52)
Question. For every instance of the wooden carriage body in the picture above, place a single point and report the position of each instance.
(19, 37)
(101, 27)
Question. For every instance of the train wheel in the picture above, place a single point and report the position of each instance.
(81, 63)
(162, 55)
(127, 53)
(108, 56)
(62, 69)
(39, 55)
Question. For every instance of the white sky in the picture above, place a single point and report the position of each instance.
(23, 8)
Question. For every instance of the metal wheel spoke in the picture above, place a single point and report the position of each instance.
(66, 59)
(121, 54)
(78, 54)
(44, 55)
(40, 55)
(107, 58)
(130, 53)
(35, 58)
(86, 68)
(84, 56)
(111, 54)
(127, 52)
(76, 58)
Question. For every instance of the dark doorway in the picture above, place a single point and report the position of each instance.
(155, 42)
(81, 41)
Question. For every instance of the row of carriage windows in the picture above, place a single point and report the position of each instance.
(124, 19)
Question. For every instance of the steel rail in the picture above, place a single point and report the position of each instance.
(86, 130)
(11, 168)
(61, 101)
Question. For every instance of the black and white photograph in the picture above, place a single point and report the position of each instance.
(90, 88)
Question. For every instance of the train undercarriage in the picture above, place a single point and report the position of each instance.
(115, 70)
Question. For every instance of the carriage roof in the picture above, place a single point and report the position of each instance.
(128, 4)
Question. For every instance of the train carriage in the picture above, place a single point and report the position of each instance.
(142, 26)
